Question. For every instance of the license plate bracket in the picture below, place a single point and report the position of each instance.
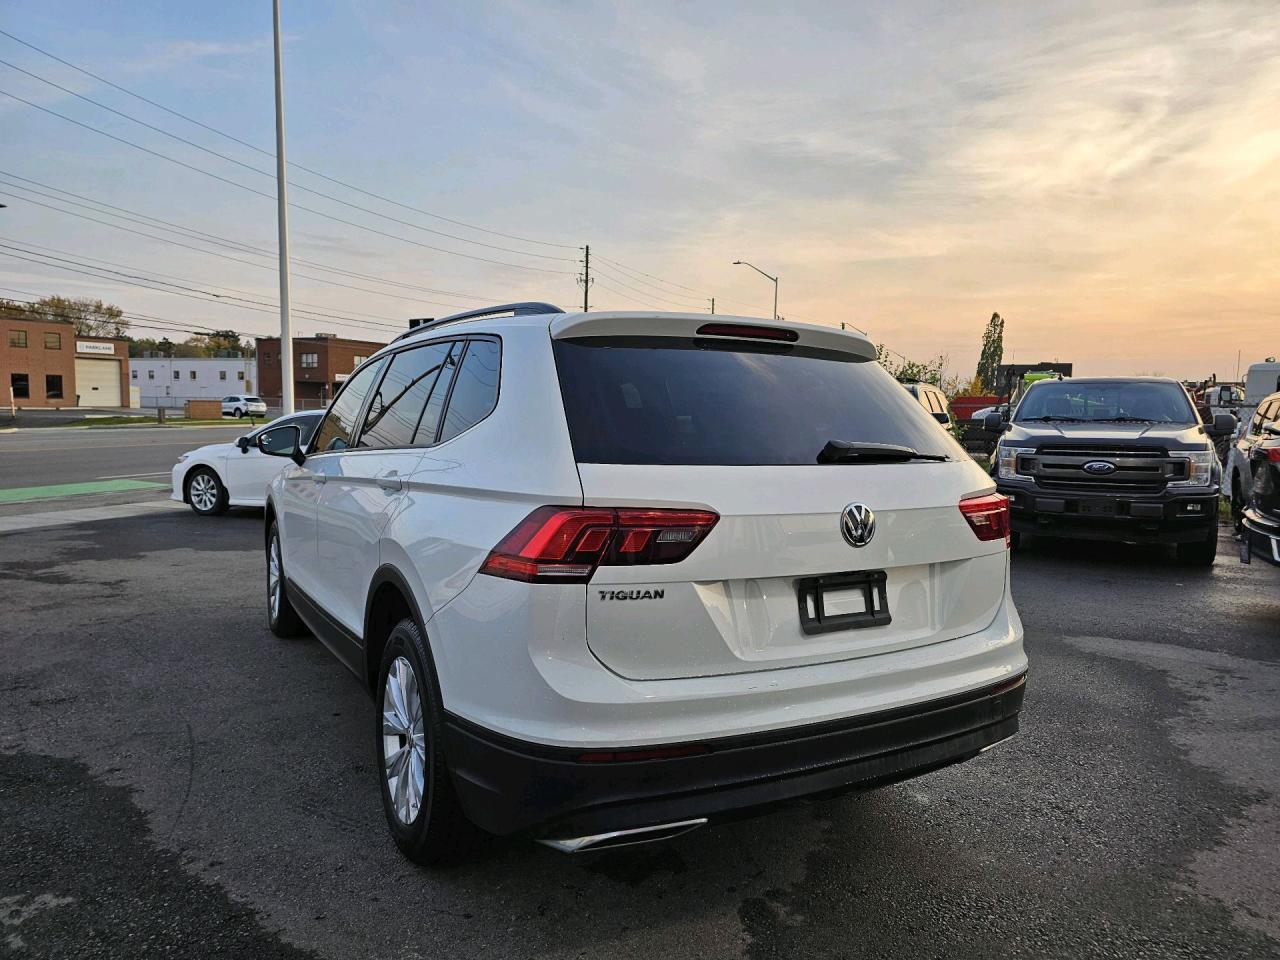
(814, 616)
(1097, 508)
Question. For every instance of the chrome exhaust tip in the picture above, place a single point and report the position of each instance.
(624, 838)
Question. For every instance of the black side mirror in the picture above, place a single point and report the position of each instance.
(1272, 428)
(243, 444)
(942, 418)
(1224, 424)
(285, 441)
(993, 423)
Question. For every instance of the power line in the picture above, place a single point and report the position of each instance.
(266, 173)
(394, 322)
(311, 210)
(187, 233)
(142, 320)
(212, 253)
(160, 286)
(645, 293)
(268, 153)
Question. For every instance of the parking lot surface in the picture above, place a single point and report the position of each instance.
(174, 781)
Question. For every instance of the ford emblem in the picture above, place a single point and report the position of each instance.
(1099, 468)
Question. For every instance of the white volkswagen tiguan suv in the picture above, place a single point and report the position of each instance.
(611, 576)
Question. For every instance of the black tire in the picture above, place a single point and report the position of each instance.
(1015, 541)
(1237, 503)
(439, 833)
(206, 502)
(238, 413)
(1199, 554)
(282, 619)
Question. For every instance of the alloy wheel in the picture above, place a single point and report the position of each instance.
(404, 745)
(203, 492)
(273, 579)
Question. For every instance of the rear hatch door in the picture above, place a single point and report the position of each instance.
(735, 426)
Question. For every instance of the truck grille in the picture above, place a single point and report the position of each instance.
(1136, 469)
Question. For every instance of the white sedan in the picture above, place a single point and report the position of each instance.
(220, 475)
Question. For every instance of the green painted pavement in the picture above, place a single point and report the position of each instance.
(57, 490)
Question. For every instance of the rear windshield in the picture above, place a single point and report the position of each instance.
(654, 400)
(1107, 400)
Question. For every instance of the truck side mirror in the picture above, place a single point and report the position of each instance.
(993, 423)
(1224, 424)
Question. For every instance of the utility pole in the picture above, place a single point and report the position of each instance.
(713, 305)
(585, 278)
(282, 219)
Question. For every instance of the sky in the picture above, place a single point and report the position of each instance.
(1105, 176)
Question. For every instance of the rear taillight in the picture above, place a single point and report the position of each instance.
(566, 544)
(988, 516)
(1272, 454)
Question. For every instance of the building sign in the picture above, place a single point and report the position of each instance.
(100, 349)
(340, 377)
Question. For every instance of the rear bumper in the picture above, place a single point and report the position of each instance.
(1262, 533)
(1166, 518)
(508, 786)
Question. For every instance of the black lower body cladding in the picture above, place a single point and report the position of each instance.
(509, 787)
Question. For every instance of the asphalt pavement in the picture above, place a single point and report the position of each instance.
(174, 781)
(76, 467)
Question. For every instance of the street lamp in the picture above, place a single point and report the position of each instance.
(763, 274)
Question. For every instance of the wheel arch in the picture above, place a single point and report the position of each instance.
(390, 600)
(268, 518)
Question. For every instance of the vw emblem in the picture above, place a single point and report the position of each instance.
(858, 524)
(1099, 468)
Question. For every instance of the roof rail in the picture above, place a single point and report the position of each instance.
(526, 308)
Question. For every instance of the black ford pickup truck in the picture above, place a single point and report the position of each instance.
(1112, 459)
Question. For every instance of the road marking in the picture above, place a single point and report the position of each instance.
(59, 518)
(58, 490)
(131, 476)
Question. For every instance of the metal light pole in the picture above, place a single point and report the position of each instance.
(282, 218)
(763, 274)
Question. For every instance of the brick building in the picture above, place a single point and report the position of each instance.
(320, 365)
(44, 364)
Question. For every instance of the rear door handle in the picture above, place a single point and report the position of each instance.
(390, 483)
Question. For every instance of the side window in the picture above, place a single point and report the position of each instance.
(398, 403)
(337, 430)
(429, 424)
(475, 393)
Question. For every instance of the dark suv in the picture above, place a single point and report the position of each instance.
(1112, 459)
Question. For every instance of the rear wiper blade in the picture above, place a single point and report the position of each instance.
(844, 451)
(1053, 420)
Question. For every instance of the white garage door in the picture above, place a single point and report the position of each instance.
(98, 382)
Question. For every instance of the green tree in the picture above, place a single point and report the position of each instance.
(911, 371)
(992, 354)
(92, 318)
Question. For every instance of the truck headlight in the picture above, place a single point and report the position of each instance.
(1008, 460)
(1199, 468)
